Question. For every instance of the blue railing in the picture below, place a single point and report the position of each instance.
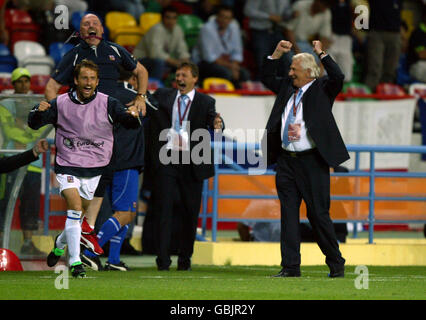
(215, 195)
(235, 169)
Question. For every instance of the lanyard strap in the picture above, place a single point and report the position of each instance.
(181, 117)
(296, 106)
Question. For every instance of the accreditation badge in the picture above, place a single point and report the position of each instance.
(294, 131)
(178, 140)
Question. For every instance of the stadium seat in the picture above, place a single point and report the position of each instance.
(390, 89)
(127, 36)
(24, 49)
(148, 19)
(191, 26)
(76, 18)
(417, 89)
(116, 19)
(213, 83)
(20, 32)
(4, 50)
(182, 8)
(15, 16)
(253, 86)
(21, 26)
(42, 65)
(154, 84)
(39, 80)
(403, 77)
(58, 49)
(356, 88)
(8, 63)
(5, 80)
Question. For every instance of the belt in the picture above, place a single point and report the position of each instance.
(296, 154)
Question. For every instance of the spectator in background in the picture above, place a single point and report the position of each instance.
(204, 9)
(265, 18)
(383, 42)
(311, 18)
(134, 7)
(163, 47)
(416, 55)
(341, 39)
(219, 51)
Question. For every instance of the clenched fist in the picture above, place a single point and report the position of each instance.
(282, 47)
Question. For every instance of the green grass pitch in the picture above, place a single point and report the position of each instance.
(217, 283)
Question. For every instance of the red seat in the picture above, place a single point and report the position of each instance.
(39, 79)
(182, 8)
(390, 89)
(15, 16)
(29, 32)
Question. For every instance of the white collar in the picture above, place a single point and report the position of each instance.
(306, 86)
(190, 94)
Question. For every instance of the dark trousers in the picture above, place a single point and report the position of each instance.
(175, 183)
(305, 177)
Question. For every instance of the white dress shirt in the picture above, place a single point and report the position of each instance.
(305, 142)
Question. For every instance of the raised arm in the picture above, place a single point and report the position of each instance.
(334, 83)
(42, 114)
(270, 66)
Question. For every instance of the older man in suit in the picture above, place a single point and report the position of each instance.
(304, 141)
(180, 113)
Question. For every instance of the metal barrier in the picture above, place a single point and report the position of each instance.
(215, 195)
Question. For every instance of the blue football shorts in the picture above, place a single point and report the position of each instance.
(124, 190)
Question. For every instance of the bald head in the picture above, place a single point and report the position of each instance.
(91, 29)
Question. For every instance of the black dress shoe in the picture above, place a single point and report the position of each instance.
(184, 268)
(337, 274)
(162, 265)
(160, 268)
(287, 274)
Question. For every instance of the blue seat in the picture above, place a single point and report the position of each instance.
(76, 18)
(402, 75)
(58, 49)
(4, 50)
(154, 84)
(7, 63)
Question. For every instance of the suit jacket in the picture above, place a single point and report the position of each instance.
(317, 103)
(8, 164)
(201, 116)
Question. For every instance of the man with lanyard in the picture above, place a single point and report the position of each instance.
(108, 56)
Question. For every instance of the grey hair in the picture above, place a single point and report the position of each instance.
(307, 61)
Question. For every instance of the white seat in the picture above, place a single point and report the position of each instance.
(42, 65)
(23, 49)
(417, 89)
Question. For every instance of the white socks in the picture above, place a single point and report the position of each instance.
(72, 235)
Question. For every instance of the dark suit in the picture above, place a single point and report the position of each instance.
(306, 175)
(177, 182)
